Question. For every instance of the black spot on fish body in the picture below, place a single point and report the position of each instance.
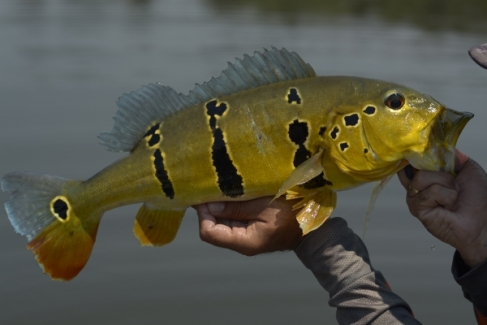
(60, 207)
(301, 155)
(152, 130)
(316, 182)
(344, 146)
(154, 139)
(366, 150)
(162, 175)
(351, 120)
(322, 131)
(293, 96)
(229, 180)
(212, 109)
(334, 132)
(369, 110)
(298, 132)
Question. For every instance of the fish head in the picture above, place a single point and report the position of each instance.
(382, 126)
(414, 127)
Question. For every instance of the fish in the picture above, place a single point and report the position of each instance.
(267, 126)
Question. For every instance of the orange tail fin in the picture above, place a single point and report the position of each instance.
(40, 209)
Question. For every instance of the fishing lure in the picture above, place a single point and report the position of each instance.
(266, 126)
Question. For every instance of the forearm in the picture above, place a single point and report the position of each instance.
(340, 262)
(473, 282)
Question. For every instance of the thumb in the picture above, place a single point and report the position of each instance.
(231, 210)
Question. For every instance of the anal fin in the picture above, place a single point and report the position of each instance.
(156, 227)
(318, 206)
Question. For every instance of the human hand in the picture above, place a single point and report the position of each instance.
(250, 227)
(454, 210)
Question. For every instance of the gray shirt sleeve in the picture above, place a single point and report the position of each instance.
(340, 262)
(473, 282)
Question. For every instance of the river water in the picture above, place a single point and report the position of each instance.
(64, 63)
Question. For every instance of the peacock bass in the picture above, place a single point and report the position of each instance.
(266, 126)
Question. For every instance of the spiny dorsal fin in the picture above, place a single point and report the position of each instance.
(151, 104)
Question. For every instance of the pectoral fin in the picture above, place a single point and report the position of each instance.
(157, 227)
(303, 173)
(318, 206)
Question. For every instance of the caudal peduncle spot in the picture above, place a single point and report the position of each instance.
(60, 209)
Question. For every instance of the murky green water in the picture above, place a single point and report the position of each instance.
(64, 63)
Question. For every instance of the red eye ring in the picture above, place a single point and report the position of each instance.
(395, 101)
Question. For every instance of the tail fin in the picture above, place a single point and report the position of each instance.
(40, 209)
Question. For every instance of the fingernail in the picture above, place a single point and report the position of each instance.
(409, 171)
(216, 207)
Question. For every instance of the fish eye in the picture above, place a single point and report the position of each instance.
(395, 101)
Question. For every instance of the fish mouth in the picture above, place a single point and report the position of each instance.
(439, 155)
(451, 124)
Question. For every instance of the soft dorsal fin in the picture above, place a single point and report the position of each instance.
(142, 109)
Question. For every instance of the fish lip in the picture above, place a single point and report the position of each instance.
(452, 123)
(439, 155)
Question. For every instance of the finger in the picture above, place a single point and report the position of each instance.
(423, 179)
(242, 210)
(432, 197)
(403, 178)
(460, 160)
(239, 236)
(219, 232)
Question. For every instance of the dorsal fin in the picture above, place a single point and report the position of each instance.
(142, 109)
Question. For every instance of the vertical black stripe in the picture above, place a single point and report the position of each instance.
(298, 133)
(154, 137)
(229, 181)
(162, 176)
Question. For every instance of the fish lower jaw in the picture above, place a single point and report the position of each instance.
(438, 159)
